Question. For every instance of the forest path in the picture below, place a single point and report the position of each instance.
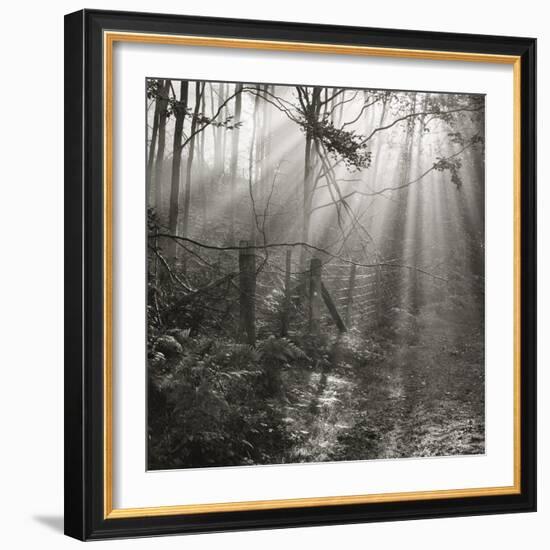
(325, 410)
(420, 400)
(425, 400)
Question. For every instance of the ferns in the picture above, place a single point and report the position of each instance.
(279, 350)
(209, 401)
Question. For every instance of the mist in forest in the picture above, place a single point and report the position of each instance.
(315, 274)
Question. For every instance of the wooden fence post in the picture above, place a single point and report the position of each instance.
(349, 297)
(286, 301)
(378, 290)
(314, 294)
(333, 310)
(247, 293)
(414, 290)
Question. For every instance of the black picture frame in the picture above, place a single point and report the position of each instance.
(84, 282)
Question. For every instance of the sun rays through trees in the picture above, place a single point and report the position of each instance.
(315, 273)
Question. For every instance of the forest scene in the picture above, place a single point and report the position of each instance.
(315, 274)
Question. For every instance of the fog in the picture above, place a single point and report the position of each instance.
(313, 230)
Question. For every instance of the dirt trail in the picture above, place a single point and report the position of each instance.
(419, 401)
(326, 411)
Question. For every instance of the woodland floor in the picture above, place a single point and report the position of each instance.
(380, 394)
(420, 400)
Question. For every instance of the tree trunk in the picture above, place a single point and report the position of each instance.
(235, 159)
(253, 169)
(286, 303)
(159, 163)
(153, 143)
(180, 111)
(202, 167)
(268, 169)
(199, 90)
(312, 114)
(223, 116)
(247, 294)
(218, 140)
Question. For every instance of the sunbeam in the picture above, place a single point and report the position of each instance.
(310, 247)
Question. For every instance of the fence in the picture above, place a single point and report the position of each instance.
(276, 296)
(262, 292)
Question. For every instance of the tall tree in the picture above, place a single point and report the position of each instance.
(203, 189)
(218, 137)
(199, 90)
(253, 167)
(267, 169)
(311, 104)
(235, 159)
(153, 90)
(180, 110)
(159, 163)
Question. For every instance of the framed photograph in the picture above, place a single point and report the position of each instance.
(300, 274)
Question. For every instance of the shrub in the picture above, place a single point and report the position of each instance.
(210, 405)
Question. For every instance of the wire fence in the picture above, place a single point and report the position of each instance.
(274, 292)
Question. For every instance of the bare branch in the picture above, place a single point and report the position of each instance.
(396, 188)
(295, 244)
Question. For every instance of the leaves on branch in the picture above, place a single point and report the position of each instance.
(153, 88)
(345, 144)
(453, 165)
(458, 138)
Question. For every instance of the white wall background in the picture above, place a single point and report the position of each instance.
(31, 288)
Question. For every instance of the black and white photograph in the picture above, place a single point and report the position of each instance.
(315, 273)
(271, 275)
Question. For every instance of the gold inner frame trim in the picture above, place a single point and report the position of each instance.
(109, 39)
